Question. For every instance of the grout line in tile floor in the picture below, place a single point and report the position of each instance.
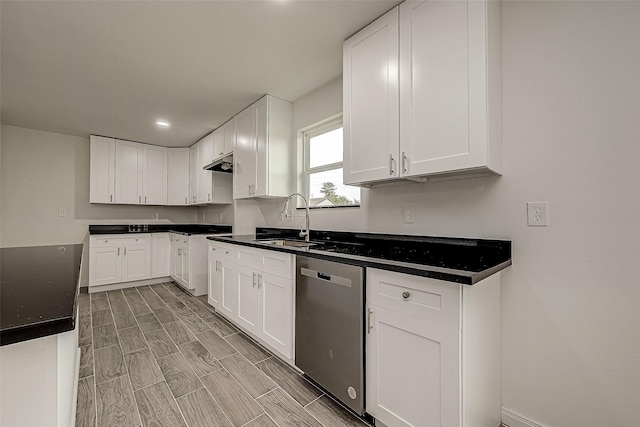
(179, 313)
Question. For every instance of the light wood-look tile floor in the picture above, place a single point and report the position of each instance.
(157, 356)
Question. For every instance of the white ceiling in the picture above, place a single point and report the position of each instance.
(114, 67)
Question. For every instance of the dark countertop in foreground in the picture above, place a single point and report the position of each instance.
(465, 261)
(38, 291)
(187, 229)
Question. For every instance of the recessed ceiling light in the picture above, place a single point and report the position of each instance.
(162, 123)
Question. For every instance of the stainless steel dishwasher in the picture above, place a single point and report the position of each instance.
(329, 327)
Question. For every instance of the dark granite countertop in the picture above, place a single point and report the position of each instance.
(38, 291)
(459, 260)
(186, 229)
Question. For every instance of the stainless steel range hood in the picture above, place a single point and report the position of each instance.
(223, 163)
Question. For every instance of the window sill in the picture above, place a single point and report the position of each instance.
(329, 207)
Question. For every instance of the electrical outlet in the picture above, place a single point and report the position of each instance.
(537, 214)
(220, 216)
(62, 212)
(203, 216)
(408, 214)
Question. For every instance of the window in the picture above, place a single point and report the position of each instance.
(323, 167)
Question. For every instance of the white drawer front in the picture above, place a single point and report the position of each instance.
(278, 263)
(222, 251)
(415, 296)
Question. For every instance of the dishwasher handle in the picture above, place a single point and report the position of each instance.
(342, 281)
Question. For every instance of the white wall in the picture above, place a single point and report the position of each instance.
(570, 302)
(42, 172)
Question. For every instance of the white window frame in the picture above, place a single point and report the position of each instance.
(311, 132)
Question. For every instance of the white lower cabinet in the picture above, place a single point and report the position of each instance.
(115, 259)
(254, 288)
(188, 262)
(432, 351)
(248, 299)
(160, 255)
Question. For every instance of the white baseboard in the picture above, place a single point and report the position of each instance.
(123, 285)
(511, 419)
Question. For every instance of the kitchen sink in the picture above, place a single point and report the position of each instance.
(285, 242)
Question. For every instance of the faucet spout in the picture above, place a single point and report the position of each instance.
(285, 208)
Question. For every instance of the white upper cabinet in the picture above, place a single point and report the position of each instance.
(128, 173)
(370, 96)
(154, 175)
(449, 93)
(263, 150)
(208, 187)
(178, 176)
(102, 170)
(224, 139)
(205, 155)
(141, 174)
(450, 86)
(193, 173)
(244, 156)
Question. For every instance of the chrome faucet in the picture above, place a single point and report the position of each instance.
(285, 212)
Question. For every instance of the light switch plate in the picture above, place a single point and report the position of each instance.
(537, 214)
(408, 212)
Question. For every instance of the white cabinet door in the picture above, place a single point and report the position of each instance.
(205, 155)
(178, 264)
(102, 170)
(443, 84)
(193, 173)
(128, 173)
(229, 294)
(370, 97)
(178, 176)
(105, 265)
(215, 279)
(413, 321)
(136, 262)
(262, 149)
(244, 156)
(186, 263)
(412, 371)
(154, 177)
(161, 255)
(276, 295)
(229, 130)
(248, 299)
(173, 255)
(218, 142)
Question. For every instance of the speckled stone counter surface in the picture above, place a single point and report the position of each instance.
(459, 260)
(38, 290)
(187, 229)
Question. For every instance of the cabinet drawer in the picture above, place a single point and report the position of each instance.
(266, 261)
(222, 252)
(137, 240)
(105, 241)
(110, 240)
(415, 296)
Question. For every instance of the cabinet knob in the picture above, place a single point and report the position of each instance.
(406, 295)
